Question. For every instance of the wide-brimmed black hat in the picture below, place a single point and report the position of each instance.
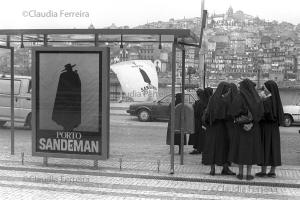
(69, 65)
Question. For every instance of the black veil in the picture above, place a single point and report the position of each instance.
(252, 99)
(217, 108)
(276, 110)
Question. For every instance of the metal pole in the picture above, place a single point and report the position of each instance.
(173, 104)
(182, 120)
(45, 40)
(204, 15)
(96, 40)
(45, 159)
(12, 103)
(204, 74)
(96, 45)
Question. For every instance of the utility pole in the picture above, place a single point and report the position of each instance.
(203, 23)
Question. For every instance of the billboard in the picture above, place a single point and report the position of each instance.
(71, 102)
(138, 79)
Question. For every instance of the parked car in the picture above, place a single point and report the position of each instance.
(291, 114)
(147, 111)
(22, 99)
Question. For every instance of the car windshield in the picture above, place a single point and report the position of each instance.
(166, 99)
(188, 99)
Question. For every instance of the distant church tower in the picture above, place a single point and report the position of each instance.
(229, 13)
(91, 26)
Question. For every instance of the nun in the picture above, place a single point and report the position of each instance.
(234, 108)
(208, 92)
(216, 145)
(273, 118)
(197, 139)
(247, 110)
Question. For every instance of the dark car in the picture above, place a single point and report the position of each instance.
(147, 111)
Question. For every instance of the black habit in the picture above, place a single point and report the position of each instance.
(273, 118)
(245, 146)
(216, 144)
(235, 108)
(198, 138)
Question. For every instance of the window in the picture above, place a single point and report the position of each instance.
(5, 86)
(188, 99)
(166, 99)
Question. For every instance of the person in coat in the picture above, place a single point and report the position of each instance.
(273, 118)
(216, 145)
(198, 138)
(178, 100)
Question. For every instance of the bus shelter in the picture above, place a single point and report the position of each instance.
(44, 38)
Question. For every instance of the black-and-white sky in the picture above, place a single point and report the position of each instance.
(17, 14)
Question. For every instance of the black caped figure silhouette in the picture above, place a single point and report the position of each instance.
(67, 105)
(145, 76)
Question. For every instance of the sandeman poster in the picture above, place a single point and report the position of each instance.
(71, 102)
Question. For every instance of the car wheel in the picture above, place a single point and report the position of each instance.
(2, 123)
(144, 115)
(287, 120)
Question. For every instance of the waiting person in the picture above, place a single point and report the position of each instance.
(197, 139)
(215, 150)
(177, 137)
(273, 118)
(208, 92)
(233, 101)
(247, 110)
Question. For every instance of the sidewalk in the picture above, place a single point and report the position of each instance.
(136, 179)
(287, 176)
(134, 171)
(54, 182)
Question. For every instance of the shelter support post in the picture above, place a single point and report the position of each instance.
(173, 105)
(45, 159)
(182, 110)
(204, 73)
(96, 39)
(45, 40)
(12, 102)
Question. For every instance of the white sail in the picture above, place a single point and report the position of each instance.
(138, 79)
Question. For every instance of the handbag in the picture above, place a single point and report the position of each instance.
(244, 119)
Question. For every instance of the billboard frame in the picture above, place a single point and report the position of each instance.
(104, 115)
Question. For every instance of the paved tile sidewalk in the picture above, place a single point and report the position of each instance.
(27, 182)
(285, 174)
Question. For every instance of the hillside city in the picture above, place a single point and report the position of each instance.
(235, 46)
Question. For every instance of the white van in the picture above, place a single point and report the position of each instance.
(22, 99)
